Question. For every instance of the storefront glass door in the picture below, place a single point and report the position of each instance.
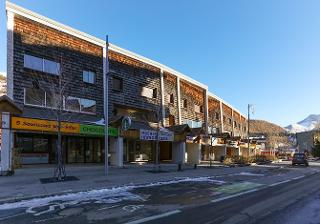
(93, 150)
(76, 150)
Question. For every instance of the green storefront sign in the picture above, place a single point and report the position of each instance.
(97, 130)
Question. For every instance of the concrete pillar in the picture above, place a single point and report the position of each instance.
(163, 112)
(179, 152)
(206, 111)
(179, 101)
(221, 117)
(116, 151)
(194, 153)
(10, 26)
(233, 129)
(6, 144)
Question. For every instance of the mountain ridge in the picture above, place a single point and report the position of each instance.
(309, 123)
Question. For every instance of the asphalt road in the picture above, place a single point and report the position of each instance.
(268, 205)
(257, 196)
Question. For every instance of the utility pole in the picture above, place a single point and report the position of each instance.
(106, 110)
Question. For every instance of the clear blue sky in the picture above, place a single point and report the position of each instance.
(262, 52)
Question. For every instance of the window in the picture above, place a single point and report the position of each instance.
(201, 109)
(239, 126)
(217, 115)
(235, 124)
(184, 103)
(171, 120)
(88, 106)
(72, 103)
(155, 93)
(80, 105)
(35, 97)
(171, 98)
(147, 92)
(224, 118)
(53, 100)
(230, 121)
(33, 62)
(51, 67)
(117, 83)
(197, 108)
(89, 77)
(42, 65)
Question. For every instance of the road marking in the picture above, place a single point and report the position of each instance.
(297, 178)
(278, 183)
(105, 208)
(132, 208)
(44, 220)
(147, 219)
(233, 195)
(11, 216)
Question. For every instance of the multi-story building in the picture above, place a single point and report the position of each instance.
(47, 59)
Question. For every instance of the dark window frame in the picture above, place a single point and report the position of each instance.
(121, 83)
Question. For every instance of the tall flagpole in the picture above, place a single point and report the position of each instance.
(106, 110)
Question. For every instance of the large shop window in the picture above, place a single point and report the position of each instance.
(80, 105)
(41, 64)
(73, 103)
(32, 144)
(54, 100)
(88, 106)
(35, 97)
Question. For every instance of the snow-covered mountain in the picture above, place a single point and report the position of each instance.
(308, 124)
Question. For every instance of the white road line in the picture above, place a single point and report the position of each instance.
(11, 216)
(44, 220)
(297, 178)
(278, 183)
(233, 196)
(105, 208)
(147, 219)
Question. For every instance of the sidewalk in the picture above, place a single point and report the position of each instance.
(25, 183)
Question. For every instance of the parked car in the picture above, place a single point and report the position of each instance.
(300, 159)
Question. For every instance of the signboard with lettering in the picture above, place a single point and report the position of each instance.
(21, 123)
(43, 125)
(97, 130)
(148, 135)
(167, 136)
(152, 135)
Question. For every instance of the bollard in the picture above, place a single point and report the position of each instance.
(195, 166)
(179, 167)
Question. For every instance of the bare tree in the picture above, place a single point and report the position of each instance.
(317, 126)
(55, 88)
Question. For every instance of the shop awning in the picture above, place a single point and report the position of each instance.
(7, 105)
(180, 129)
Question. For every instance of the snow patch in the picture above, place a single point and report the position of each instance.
(250, 174)
(108, 196)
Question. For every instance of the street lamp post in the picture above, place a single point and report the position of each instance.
(106, 111)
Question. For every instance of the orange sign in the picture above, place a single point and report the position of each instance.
(43, 125)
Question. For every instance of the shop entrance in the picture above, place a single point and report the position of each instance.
(138, 151)
(84, 150)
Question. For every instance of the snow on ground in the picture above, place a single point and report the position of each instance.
(250, 174)
(108, 196)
